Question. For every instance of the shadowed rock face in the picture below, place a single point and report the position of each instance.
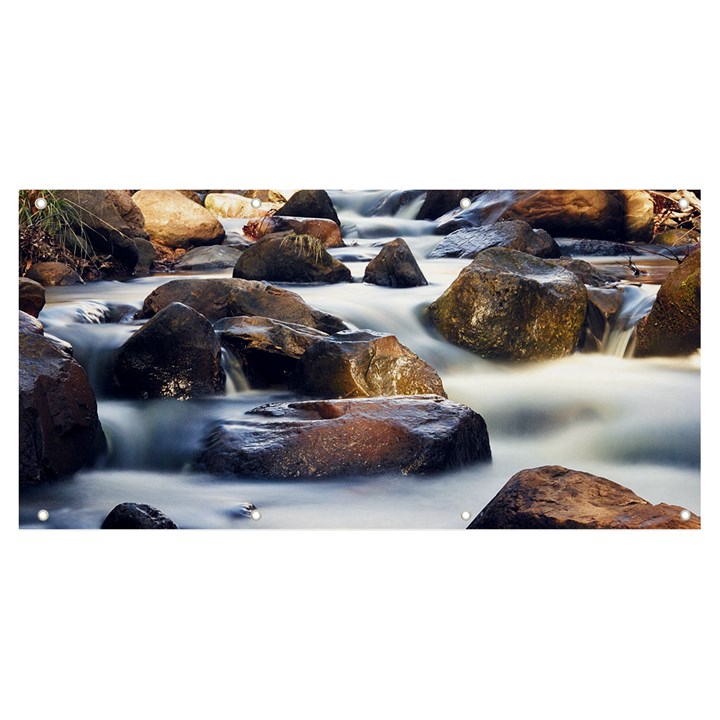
(111, 220)
(394, 266)
(514, 234)
(59, 427)
(673, 325)
(558, 498)
(290, 258)
(509, 305)
(595, 214)
(334, 438)
(134, 516)
(364, 364)
(310, 204)
(175, 354)
(269, 350)
(439, 202)
(216, 299)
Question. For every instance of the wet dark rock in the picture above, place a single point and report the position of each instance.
(137, 516)
(365, 364)
(290, 258)
(514, 234)
(310, 204)
(508, 305)
(335, 438)
(326, 231)
(49, 274)
(485, 209)
(557, 498)
(175, 354)
(394, 266)
(269, 350)
(597, 214)
(439, 202)
(602, 248)
(215, 257)
(219, 298)
(111, 221)
(30, 324)
(603, 305)
(59, 427)
(147, 254)
(673, 325)
(32, 296)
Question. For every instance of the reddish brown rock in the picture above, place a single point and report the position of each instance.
(558, 498)
(326, 231)
(60, 431)
(364, 364)
(595, 214)
(32, 296)
(335, 438)
(49, 274)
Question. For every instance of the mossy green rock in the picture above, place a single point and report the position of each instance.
(507, 305)
(673, 325)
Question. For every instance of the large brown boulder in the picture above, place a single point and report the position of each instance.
(673, 325)
(508, 305)
(50, 274)
(394, 266)
(365, 364)
(32, 296)
(514, 234)
(60, 431)
(334, 438)
(269, 350)
(175, 354)
(310, 204)
(290, 258)
(111, 221)
(558, 498)
(175, 221)
(638, 215)
(326, 231)
(595, 214)
(216, 299)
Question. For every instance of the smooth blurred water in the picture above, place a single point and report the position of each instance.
(636, 422)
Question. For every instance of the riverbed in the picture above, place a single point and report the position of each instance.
(636, 422)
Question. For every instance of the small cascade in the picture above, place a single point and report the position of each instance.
(619, 337)
(235, 382)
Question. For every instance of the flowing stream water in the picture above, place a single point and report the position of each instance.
(636, 422)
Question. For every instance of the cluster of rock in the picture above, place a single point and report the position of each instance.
(518, 299)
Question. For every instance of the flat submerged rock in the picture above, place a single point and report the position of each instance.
(415, 434)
